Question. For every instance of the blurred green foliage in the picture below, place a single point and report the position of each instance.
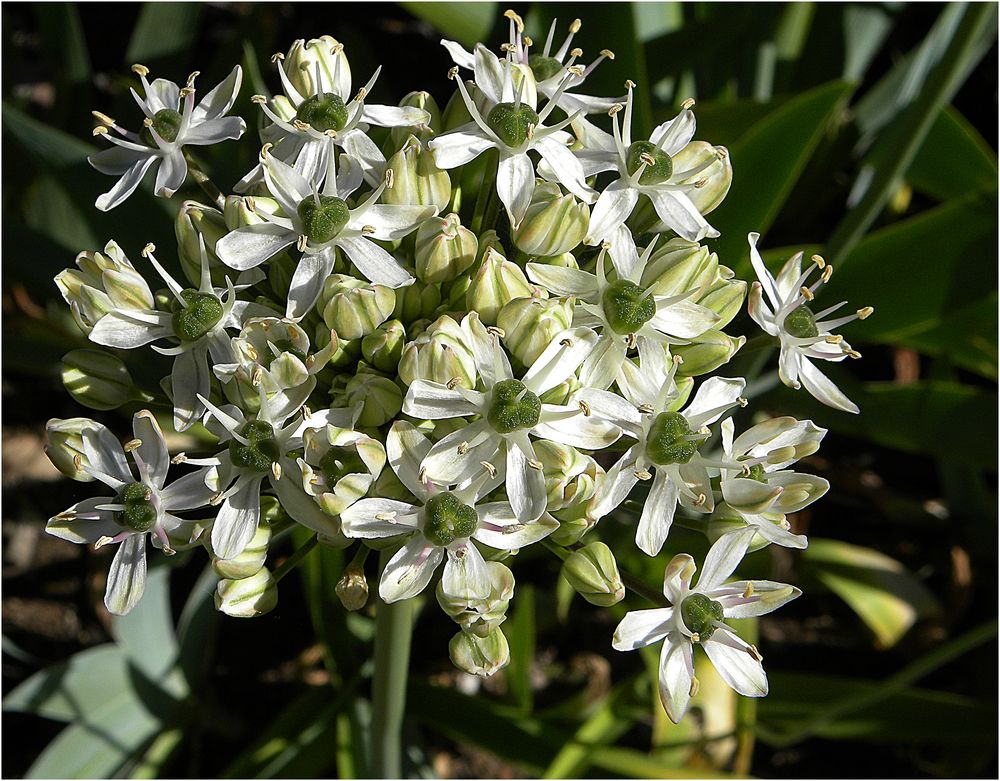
(845, 141)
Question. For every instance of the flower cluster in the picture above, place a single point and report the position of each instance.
(446, 336)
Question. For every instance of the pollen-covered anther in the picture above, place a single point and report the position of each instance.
(575, 25)
(101, 117)
(131, 445)
(647, 158)
(517, 20)
(78, 461)
(194, 75)
(819, 260)
(608, 53)
(631, 340)
(100, 130)
(745, 470)
(677, 359)
(258, 99)
(528, 41)
(168, 551)
(530, 131)
(752, 650)
(337, 48)
(140, 70)
(585, 409)
(695, 637)
(509, 48)
(180, 458)
(742, 401)
(688, 104)
(301, 242)
(148, 250)
(865, 312)
(277, 56)
(615, 109)
(265, 150)
(185, 91)
(496, 331)
(721, 152)
(833, 339)
(453, 383)
(748, 591)
(489, 468)
(852, 353)
(389, 178)
(700, 500)
(463, 448)
(298, 124)
(807, 294)
(643, 474)
(216, 499)
(367, 230)
(576, 70)
(827, 273)
(147, 122)
(695, 685)
(105, 540)
(387, 516)
(66, 515)
(645, 409)
(453, 72)
(701, 183)
(567, 342)
(629, 84)
(362, 94)
(535, 464)
(250, 203)
(331, 133)
(576, 52)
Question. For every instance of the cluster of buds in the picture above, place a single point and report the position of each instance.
(446, 335)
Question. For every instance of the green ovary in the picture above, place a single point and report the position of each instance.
(323, 221)
(261, 449)
(625, 307)
(326, 113)
(199, 315)
(700, 614)
(801, 323)
(139, 514)
(446, 519)
(666, 443)
(167, 124)
(544, 67)
(511, 123)
(657, 173)
(513, 407)
(338, 462)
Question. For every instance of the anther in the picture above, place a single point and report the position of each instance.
(453, 383)
(742, 401)
(701, 183)
(865, 312)
(389, 178)
(66, 515)
(645, 409)
(575, 25)
(688, 104)
(298, 124)
(576, 52)
(585, 408)
(567, 342)
(608, 53)
(677, 359)
(695, 637)
(517, 20)
(643, 474)
(807, 294)
(265, 150)
(131, 445)
(277, 56)
(535, 464)
(367, 230)
(147, 122)
(694, 684)
(452, 72)
(576, 70)
(300, 242)
(745, 470)
(647, 158)
(259, 99)
(105, 540)
(819, 261)
(748, 591)
(463, 448)
(833, 339)
(752, 650)
(700, 500)
(827, 273)
(141, 70)
(101, 117)
(629, 84)
(250, 203)
(100, 130)
(852, 353)
(148, 250)
(508, 47)
(615, 109)
(496, 331)
(180, 458)
(194, 75)
(489, 468)
(78, 461)
(389, 516)
(186, 90)
(216, 499)
(528, 41)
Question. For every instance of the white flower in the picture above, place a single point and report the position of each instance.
(508, 411)
(319, 222)
(199, 322)
(140, 507)
(305, 127)
(444, 523)
(764, 490)
(260, 448)
(644, 168)
(667, 442)
(546, 68)
(623, 312)
(804, 335)
(696, 617)
(173, 121)
(513, 127)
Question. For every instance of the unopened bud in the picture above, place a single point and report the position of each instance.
(415, 302)
(247, 597)
(497, 282)
(530, 325)
(354, 308)
(593, 572)
(326, 52)
(570, 476)
(440, 354)
(679, 266)
(479, 655)
(718, 177)
(380, 398)
(352, 588)
(482, 616)
(196, 223)
(553, 224)
(444, 248)
(64, 446)
(384, 346)
(417, 181)
(96, 379)
(249, 561)
(707, 352)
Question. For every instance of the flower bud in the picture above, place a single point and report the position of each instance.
(415, 302)
(249, 561)
(553, 224)
(564, 260)
(717, 177)
(707, 352)
(679, 266)
(417, 181)
(479, 655)
(242, 211)
(530, 325)
(196, 222)
(96, 379)
(352, 588)
(64, 446)
(384, 346)
(455, 111)
(304, 57)
(339, 465)
(380, 398)
(424, 100)
(572, 529)
(443, 249)
(497, 282)
(570, 476)
(353, 307)
(593, 572)
(725, 519)
(102, 282)
(724, 296)
(440, 354)
(247, 597)
(482, 616)
(561, 393)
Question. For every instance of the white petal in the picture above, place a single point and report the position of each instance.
(237, 520)
(363, 149)
(394, 222)
(127, 576)
(190, 377)
(684, 319)
(213, 131)
(433, 401)
(409, 571)
(82, 530)
(250, 246)
(611, 210)
(624, 254)
(171, 174)
(454, 149)
(731, 656)
(822, 389)
(612, 407)
(567, 169)
(569, 426)
(680, 214)
(220, 99)
(126, 185)
(766, 280)
(394, 116)
(361, 518)
(564, 281)
(766, 597)
(122, 330)
(489, 73)
(300, 506)
(602, 365)
(189, 492)
(525, 486)
(617, 484)
(375, 263)
(465, 575)
(515, 184)
(657, 514)
(640, 628)
(513, 533)
(676, 672)
(447, 465)
(461, 57)
(307, 283)
(560, 360)
(153, 450)
(104, 453)
(674, 135)
(406, 447)
(723, 557)
(286, 184)
(713, 394)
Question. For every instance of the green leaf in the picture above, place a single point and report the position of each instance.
(163, 29)
(146, 634)
(967, 337)
(64, 41)
(520, 631)
(865, 28)
(605, 725)
(954, 159)
(887, 597)
(50, 146)
(466, 23)
(763, 178)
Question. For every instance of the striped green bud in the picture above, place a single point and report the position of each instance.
(570, 476)
(415, 302)
(482, 616)
(249, 561)
(707, 352)
(195, 223)
(380, 398)
(714, 181)
(96, 379)
(593, 572)
(353, 307)
(554, 223)
(417, 181)
(247, 597)
(64, 446)
(443, 248)
(439, 354)
(303, 58)
(384, 346)
(530, 324)
(678, 266)
(352, 588)
(481, 656)
(497, 282)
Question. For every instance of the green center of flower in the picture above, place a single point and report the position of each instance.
(323, 221)
(167, 124)
(666, 442)
(338, 462)
(511, 123)
(658, 171)
(261, 449)
(513, 407)
(700, 614)
(139, 514)
(199, 315)
(625, 307)
(801, 323)
(544, 67)
(757, 473)
(446, 519)
(326, 113)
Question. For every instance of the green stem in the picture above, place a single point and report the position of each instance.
(206, 184)
(293, 561)
(911, 128)
(393, 633)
